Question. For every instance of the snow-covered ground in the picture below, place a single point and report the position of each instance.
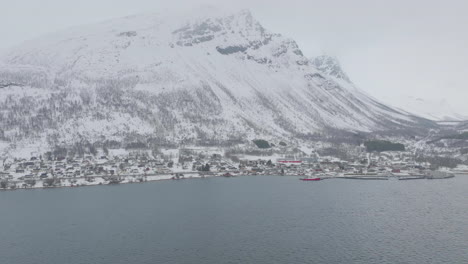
(81, 182)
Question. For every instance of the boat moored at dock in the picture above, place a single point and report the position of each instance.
(310, 179)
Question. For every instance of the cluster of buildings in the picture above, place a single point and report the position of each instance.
(92, 170)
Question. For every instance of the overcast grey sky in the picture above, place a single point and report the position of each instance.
(410, 47)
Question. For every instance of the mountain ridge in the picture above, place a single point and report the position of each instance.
(216, 78)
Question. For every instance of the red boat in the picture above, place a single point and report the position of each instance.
(310, 179)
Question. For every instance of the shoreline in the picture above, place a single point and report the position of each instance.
(167, 177)
(102, 182)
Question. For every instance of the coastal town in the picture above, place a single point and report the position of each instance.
(114, 167)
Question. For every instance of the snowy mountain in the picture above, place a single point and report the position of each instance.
(207, 76)
(330, 66)
(438, 110)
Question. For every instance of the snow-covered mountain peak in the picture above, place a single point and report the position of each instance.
(138, 44)
(204, 76)
(240, 25)
(330, 65)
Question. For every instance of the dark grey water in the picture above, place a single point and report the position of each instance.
(239, 220)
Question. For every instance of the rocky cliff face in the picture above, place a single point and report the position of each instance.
(330, 66)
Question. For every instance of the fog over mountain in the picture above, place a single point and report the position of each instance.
(389, 48)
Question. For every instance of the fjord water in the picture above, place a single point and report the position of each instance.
(264, 219)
